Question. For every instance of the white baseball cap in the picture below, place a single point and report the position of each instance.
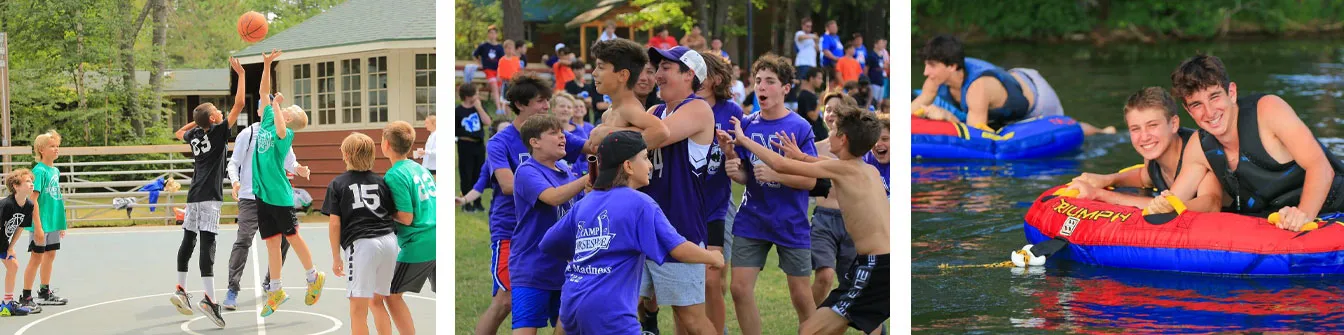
(680, 54)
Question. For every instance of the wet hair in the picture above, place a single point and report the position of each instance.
(1152, 97)
(400, 136)
(860, 128)
(357, 151)
(1199, 72)
(539, 124)
(623, 54)
(466, 91)
(945, 49)
(14, 178)
(525, 87)
(717, 67)
(783, 68)
(201, 115)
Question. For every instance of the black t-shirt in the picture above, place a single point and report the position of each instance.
(874, 62)
(364, 203)
(469, 124)
(208, 148)
(489, 54)
(807, 102)
(13, 217)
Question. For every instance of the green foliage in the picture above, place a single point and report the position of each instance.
(671, 13)
(472, 21)
(1036, 19)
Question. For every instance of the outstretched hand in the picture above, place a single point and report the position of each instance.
(737, 128)
(237, 66)
(788, 144)
(270, 57)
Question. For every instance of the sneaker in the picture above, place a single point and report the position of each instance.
(31, 305)
(649, 323)
(315, 289)
(231, 300)
(12, 308)
(273, 301)
(211, 311)
(182, 301)
(49, 298)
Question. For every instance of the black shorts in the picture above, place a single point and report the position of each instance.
(410, 277)
(275, 220)
(716, 235)
(864, 294)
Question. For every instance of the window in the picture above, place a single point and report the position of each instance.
(326, 93)
(377, 89)
(181, 115)
(303, 88)
(351, 111)
(424, 85)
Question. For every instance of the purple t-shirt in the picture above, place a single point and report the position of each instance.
(484, 179)
(532, 268)
(882, 168)
(772, 211)
(505, 149)
(606, 237)
(719, 188)
(677, 181)
(574, 141)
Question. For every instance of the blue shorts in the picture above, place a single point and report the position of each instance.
(535, 308)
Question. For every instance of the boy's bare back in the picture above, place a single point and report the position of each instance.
(863, 205)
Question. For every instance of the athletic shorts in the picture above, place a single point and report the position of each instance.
(276, 220)
(751, 253)
(410, 277)
(370, 264)
(202, 216)
(675, 284)
(864, 292)
(53, 240)
(716, 236)
(499, 266)
(832, 247)
(535, 308)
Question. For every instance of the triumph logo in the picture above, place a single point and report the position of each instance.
(1069, 225)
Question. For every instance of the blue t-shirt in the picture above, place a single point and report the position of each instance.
(875, 71)
(606, 237)
(489, 54)
(484, 180)
(677, 180)
(772, 211)
(719, 188)
(534, 269)
(882, 168)
(831, 43)
(861, 55)
(505, 149)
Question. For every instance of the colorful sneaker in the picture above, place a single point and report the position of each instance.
(49, 298)
(231, 300)
(315, 289)
(273, 301)
(12, 308)
(211, 311)
(182, 301)
(31, 305)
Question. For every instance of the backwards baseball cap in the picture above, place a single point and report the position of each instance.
(612, 153)
(682, 55)
(559, 46)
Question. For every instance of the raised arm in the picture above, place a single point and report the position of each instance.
(183, 131)
(686, 122)
(265, 91)
(823, 169)
(240, 97)
(653, 129)
(555, 196)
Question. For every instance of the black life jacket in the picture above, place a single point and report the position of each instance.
(1155, 170)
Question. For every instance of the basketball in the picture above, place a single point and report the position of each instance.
(252, 27)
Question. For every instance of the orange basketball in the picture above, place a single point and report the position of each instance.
(252, 27)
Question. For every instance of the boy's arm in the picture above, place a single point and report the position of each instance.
(183, 131)
(1210, 196)
(977, 104)
(334, 235)
(37, 219)
(240, 98)
(485, 118)
(1305, 150)
(686, 122)
(265, 91)
(555, 196)
(1193, 169)
(688, 252)
(926, 94)
(824, 169)
(652, 129)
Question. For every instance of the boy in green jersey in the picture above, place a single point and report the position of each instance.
(413, 194)
(51, 218)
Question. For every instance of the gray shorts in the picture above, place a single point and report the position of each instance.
(202, 216)
(53, 242)
(728, 232)
(1047, 102)
(675, 284)
(832, 247)
(751, 253)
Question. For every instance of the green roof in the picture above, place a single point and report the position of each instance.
(354, 22)
(191, 80)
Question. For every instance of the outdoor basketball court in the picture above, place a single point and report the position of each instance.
(119, 281)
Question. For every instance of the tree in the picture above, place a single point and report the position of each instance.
(472, 21)
(513, 19)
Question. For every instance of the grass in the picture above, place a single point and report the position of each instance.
(474, 283)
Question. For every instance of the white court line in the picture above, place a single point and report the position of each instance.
(336, 323)
(170, 229)
(34, 323)
(256, 284)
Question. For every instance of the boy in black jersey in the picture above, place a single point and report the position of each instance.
(16, 211)
(359, 205)
(208, 137)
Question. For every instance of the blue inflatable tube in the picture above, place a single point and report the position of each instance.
(1043, 137)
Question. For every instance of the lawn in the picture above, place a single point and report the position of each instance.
(473, 283)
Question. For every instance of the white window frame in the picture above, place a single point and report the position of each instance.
(424, 109)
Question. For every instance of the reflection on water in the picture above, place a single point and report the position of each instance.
(971, 213)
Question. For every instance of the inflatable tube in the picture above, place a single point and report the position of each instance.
(1214, 243)
(1044, 137)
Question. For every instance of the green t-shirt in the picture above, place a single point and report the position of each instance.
(413, 192)
(47, 181)
(269, 181)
